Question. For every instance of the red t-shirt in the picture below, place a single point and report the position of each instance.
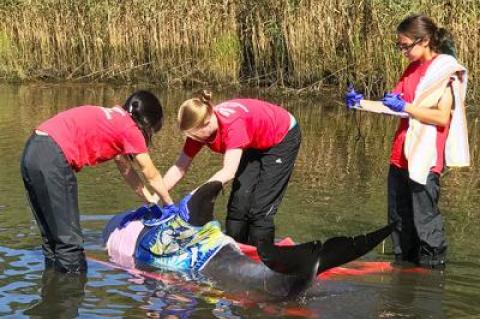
(407, 86)
(89, 135)
(245, 124)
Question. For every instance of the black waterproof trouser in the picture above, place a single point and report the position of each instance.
(51, 186)
(258, 189)
(419, 235)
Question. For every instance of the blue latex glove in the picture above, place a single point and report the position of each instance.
(352, 98)
(394, 102)
(159, 214)
(183, 210)
(137, 214)
(169, 210)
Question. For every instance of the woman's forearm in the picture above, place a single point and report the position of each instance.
(231, 161)
(428, 115)
(437, 115)
(223, 176)
(152, 177)
(132, 179)
(157, 184)
(173, 176)
(177, 171)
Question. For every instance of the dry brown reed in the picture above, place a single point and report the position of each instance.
(293, 43)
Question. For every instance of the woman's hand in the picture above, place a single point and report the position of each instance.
(352, 98)
(153, 177)
(394, 102)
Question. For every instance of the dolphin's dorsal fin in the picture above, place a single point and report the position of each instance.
(202, 203)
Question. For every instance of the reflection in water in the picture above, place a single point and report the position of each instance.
(165, 302)
(182, 300)
(421, 294)
(400, 293)
(223, 310)
(61, 295)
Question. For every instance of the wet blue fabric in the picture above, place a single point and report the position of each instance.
(183, 210)
(175, 244)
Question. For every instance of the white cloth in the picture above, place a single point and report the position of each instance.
(420, 142)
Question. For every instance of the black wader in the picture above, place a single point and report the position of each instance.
(52, 190)
(419, 235)
(258, 189)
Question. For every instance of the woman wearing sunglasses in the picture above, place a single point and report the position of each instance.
(431, 92)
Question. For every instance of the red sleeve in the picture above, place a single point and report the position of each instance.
(192, 147)
(134, 142)
(237, 136)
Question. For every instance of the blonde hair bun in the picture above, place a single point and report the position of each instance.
(205, 96)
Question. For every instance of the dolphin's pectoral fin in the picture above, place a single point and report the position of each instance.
(202, 203)
(290, 259)
(340, 250)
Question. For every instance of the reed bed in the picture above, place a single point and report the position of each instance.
(301, 44)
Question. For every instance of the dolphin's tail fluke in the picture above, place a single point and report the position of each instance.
(299, 262)
(340, 250)
(289, 259)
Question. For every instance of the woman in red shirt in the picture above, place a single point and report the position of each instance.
(419, 236)
(260, 142)
(85, 136)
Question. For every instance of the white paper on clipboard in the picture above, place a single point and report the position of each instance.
(378, 107)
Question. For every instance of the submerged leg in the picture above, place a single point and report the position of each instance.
(277, 164)
(400, 211)
(53, 184)
(429, 223)
(240, 201)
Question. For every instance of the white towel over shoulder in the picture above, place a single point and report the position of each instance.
(420, 141)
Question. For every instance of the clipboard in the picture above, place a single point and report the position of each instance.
(378, 107)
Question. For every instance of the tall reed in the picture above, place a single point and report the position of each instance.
(302, 44)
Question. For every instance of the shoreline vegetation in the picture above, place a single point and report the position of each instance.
(294, 44)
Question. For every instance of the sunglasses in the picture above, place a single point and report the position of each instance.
(408, 47)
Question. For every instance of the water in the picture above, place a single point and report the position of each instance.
(338, 187)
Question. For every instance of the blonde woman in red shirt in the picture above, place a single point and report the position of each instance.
(259, 142)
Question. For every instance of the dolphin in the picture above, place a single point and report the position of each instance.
(284, 272)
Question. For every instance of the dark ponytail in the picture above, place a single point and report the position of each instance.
(442, 42)
(419, 27)
(146, 110)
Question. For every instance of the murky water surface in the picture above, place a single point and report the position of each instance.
(338, 187)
